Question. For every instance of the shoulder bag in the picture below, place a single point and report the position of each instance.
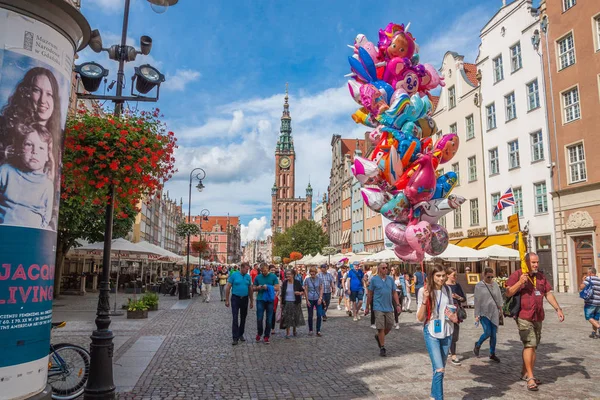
(588, 291)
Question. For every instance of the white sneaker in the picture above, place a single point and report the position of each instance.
(339, 308)
(355, 319)
(397, 326)
(358, 317)
(373, 326)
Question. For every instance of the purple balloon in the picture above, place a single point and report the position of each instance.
(408, 254)
(396, 233)
(438, 242)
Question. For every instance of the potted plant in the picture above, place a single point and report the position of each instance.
(137, 310)
(151, 300)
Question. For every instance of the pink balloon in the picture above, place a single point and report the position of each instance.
(447, 145)
(439, 240)
(374, 198)
(418, 235)
(364, 169)
(408, 254)
(396, 233)
(421, 186)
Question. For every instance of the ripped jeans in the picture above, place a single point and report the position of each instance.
(438, 353)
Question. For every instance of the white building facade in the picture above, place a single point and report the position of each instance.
(457, 111)
(515, 137)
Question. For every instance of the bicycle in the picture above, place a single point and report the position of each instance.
(68, 368)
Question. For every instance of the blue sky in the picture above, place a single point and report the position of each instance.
(227, 63)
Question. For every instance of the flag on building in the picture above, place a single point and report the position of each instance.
(506, 200)
(523, 253)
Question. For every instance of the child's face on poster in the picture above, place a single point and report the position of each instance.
(42, 97)
(34, 155)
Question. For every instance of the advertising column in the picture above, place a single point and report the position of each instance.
(35, 77)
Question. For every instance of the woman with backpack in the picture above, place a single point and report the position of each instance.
(436, 310)
(313, 290)
(458, 296)
(488, 306)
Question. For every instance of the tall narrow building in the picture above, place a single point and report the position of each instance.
(286, 209)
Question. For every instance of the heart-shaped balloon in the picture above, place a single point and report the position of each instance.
(418, 235)
(364, 169)
(421, 185)
(439, 240)
(397, 208)
(374, 198)
(408, 254)
(396, 233)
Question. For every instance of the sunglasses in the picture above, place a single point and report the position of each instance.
(489, 277)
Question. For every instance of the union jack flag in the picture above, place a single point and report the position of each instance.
(506, 200)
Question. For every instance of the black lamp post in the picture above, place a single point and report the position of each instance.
(196, 174)
(100, 384)
(203, 217)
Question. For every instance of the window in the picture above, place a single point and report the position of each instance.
(379, 233)
(537, 146)
(453, 128)
(451, 97)
(456, 169)
(472, 169)
(470, 124)
(498, 72)
(513, 155)
(515, 58)
(518, 207)
(568, 4)
(368, 235)
(510, 106)
(490, 112)
(457, 218)
(442, 221)
(533, 95)
(571, 105)
(495, 199)
(577, 169)
(597, 30)
(494, 162)
(474, 203)
(566, 51)
(541, 198)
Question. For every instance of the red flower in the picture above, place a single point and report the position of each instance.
(114, 165)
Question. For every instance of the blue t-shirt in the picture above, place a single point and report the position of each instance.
(207, 275)
(420, 277)
(270, 279)
(239, 283)
(382, 293)
(339, 279)
(196, 271)
(356, 277)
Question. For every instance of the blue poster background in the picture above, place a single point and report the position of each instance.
(24, 339)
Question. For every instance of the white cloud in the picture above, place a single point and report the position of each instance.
(462, 36)
(180, 79)
(238, 121)
(255, 230)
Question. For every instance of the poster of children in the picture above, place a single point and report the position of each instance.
(33, 106)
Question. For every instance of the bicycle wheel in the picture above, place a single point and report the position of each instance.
(68, 370)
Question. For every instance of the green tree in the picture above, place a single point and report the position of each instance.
(306, 236)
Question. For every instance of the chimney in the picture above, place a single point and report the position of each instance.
(503, 3)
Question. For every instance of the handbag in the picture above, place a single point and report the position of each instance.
(587, 292)
(500, 314)
(461, 313)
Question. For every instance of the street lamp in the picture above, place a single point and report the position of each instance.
(203, 217)
(100, 384)
(196, 174)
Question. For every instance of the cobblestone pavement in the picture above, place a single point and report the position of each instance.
(197, 360)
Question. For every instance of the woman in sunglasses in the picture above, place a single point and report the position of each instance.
(488, 305)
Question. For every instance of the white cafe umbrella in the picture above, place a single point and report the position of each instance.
(454, 253)
(359, 256)
(386, 255)
(497, 252)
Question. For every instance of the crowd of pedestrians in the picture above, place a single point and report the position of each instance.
(383, 294)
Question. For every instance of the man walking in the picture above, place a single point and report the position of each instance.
(240, 287)
(384, 298)
(356, 276)
(266, 284)
(208, 276)
(533, 287)
(328, 287)
(591, 309)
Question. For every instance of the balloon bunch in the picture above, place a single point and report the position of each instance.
(399, 177)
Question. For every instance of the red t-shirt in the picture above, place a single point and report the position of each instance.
(253, 274)
(532, 303)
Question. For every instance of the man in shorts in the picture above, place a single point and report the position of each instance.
(533, 287)
(356, 276)
(384, 298)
